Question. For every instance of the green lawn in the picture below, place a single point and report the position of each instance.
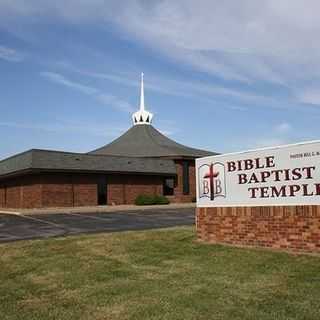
(160, 274)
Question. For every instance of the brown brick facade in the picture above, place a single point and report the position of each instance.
(178, 190)
(3, 192)
(57, 191)
(84, 190)
(24, 192)
(63, 190)
(31, 192)
(125, 189)
(286, 227)
(49, 190)
(68, 190)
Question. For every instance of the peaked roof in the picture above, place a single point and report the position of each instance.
(145, 141)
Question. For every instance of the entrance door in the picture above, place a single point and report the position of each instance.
(102, 191)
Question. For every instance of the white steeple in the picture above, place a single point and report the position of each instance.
(142, 94)
(142, 116)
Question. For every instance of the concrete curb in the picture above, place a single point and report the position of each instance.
(99, 209)
(10, 212)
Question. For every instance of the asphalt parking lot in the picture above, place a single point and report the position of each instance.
(36, 226)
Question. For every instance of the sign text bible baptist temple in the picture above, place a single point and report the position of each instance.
(141, 161)
(268, 197)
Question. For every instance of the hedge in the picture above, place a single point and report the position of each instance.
(145, 200)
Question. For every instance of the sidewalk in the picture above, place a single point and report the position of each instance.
(97, 209)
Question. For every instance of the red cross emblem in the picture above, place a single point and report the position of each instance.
(211, 175)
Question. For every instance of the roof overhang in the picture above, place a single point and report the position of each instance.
(34, 161)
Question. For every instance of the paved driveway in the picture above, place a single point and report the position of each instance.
(20, 227)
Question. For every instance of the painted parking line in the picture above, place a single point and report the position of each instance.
(14, 227)
(88, 216)
(116, 215)
(56, 225)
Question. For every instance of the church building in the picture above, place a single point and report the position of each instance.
(142, 161)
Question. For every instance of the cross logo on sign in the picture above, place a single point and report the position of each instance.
(212, 181)
(210, 175)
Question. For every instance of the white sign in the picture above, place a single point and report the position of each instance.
(285, 175)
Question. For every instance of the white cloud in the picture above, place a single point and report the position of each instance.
(309, 96)
(60, 79)
(241, 40)
(247, 41)
(269, 142)
(69, 127)
(10, 54)
(283, 128)
(106, 99)
(182, 87)
(112, 100)
(167, 132)
(278, 135)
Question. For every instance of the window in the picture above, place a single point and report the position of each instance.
(185, 177)
(168, 187)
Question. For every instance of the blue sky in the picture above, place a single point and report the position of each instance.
(224, 76)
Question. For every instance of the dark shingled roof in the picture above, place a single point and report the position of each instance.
(145, 141)
(47, 160)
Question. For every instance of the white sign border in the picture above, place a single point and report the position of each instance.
(244, 152)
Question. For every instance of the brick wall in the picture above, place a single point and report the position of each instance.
(49, 190)
(2, 196)
(24, 192)
(67, 190)
(123, 189)
(14, 193)
(57, 190)
(178, 190)
(31, 189)
(85, 190)
(136, 185)
(115, 190)
(290, 227)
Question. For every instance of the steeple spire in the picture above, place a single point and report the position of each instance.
(142, 94)
(142, 116)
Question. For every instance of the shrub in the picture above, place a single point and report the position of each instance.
(145, 200)
(161, 200)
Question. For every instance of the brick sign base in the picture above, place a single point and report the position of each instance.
(294, 228)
